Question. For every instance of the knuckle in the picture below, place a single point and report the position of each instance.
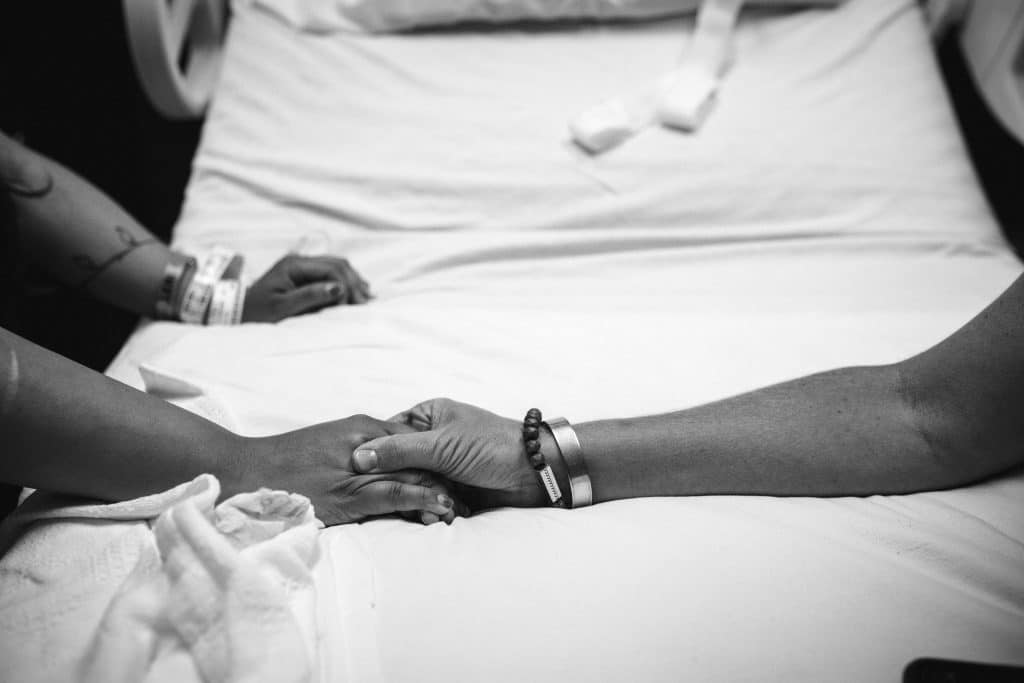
(423, 450)
(444, 406)
(393, 491)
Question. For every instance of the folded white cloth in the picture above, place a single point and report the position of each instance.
(215, 593)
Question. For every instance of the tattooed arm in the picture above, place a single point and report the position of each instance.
(81, 237)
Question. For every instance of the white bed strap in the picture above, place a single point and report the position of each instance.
(681, 99)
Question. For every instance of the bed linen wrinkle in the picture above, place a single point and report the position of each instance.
(831, 616)
(827, 216)
(938, 548)
(858, 44)
(357, 205)
(413, 193)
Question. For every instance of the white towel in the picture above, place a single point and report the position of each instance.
(215, 593)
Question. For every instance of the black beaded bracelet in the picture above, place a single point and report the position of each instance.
(531, 439)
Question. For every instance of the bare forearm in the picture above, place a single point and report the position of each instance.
(845, 432)
(79, 235)
(944, 418)
(65, 428)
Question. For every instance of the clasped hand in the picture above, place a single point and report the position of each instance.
(479, 453)
(433, 462)
(317, 462)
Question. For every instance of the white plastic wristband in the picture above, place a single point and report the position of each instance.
(200, 291)
(226, 303)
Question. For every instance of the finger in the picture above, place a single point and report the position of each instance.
(422, 416)
(310, 269)
(357, 288)
(428, 518)
(439, 486)
(304, 270)
(397, 452)
(450, 516)
(390, 427)
(400, 418)
(384, 497)
(424, 518)
(347, 272)
(313, 297)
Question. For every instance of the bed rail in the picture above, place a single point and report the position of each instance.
(993, 43)
(176, 48)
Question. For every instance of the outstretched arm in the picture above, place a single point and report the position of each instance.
(68, 429)
(85, 240)
(945, 418)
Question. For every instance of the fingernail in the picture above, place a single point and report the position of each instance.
(334, 290)
(445, 501)
(365, 459)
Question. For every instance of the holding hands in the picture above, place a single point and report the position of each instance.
(479, 452)
(317, 462)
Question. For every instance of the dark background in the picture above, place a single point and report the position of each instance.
(68, 88)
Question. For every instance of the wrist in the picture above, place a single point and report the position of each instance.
(234, 463)
(594, 440)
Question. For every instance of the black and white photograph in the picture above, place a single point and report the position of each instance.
(512, 341)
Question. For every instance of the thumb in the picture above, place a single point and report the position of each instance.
(413, 451)
(314, 296)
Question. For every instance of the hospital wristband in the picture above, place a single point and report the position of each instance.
(177, 274)
(227, 303)
(199, 294)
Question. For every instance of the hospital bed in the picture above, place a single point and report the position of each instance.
(825, 215)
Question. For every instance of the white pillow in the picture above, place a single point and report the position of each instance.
(382, 16)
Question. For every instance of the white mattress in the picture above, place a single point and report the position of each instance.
(826, 215)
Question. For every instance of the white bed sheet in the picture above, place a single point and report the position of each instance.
(826, 215)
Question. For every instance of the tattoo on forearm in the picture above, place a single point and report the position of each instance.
(130, 243)
(19, 190)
